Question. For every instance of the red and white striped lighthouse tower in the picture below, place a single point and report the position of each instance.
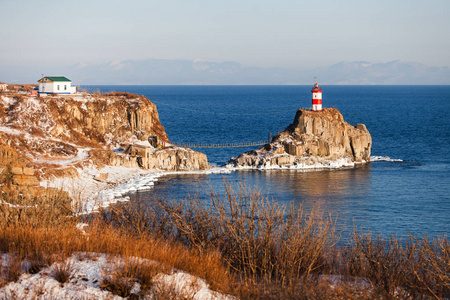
(316, 98)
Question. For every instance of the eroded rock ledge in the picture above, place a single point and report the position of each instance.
(313, 139)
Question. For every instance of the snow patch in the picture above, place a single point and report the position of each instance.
(142, 144)
(82, 154)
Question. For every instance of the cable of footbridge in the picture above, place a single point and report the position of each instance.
(222, 145)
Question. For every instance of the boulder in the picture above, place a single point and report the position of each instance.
(28, 171)
(102, 177)
(16, 170)
(25, 180)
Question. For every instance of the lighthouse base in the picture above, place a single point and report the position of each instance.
(317, 107)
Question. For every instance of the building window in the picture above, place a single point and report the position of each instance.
(57, 87)
(65, 87)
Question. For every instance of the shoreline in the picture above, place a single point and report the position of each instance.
(89, 195)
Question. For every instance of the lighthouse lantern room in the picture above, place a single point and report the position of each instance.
(316, 98)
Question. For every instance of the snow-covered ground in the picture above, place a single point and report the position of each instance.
(86, 273)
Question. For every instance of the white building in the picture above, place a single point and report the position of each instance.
(56, 85)
(3, 86)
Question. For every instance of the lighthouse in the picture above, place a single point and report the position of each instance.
(316, 98)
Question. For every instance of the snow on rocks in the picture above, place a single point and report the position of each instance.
(301, 165)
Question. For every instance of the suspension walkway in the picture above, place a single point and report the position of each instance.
(224, 145)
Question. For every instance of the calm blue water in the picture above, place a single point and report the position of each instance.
(406, 122)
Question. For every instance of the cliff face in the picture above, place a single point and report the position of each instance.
(313, 137)
(170, 159)
(53, 132)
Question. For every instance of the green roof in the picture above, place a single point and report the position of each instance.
(55, 78)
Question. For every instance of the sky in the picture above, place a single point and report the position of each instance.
(283, 33)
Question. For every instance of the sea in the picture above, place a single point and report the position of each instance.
(404, 190)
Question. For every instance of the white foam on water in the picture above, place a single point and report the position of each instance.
(383, 158)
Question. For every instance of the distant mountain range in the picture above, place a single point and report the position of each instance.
(394, 72)
(158, 71)
(195, 72)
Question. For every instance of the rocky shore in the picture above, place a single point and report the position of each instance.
(314, 139)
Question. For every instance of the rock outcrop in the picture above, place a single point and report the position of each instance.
(178, 159)
(56, 133)
(314, 138)
(168, 159)
(24, 176)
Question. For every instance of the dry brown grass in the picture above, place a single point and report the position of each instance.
(22, 209)
(121, 94)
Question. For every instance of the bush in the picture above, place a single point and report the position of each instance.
(255, 236)
(61, 271)
(411, 269)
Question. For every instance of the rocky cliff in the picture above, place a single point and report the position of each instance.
(61, 131)
(313, 139)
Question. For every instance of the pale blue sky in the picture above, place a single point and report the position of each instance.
(282, 33)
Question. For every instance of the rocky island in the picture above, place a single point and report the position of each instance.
(316, 139)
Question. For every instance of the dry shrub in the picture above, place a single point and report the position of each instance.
(316, 287)
(162, 291)
(413, 269)
(257, 238)
(125, 273)
(61, 271)
(146, 273)
(122, 94)
(14, 268)
(379, 261)
(137, 219)
(37, 260)
(428, 267)
(2, 112)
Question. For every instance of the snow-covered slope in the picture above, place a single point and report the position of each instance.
(86, 274)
